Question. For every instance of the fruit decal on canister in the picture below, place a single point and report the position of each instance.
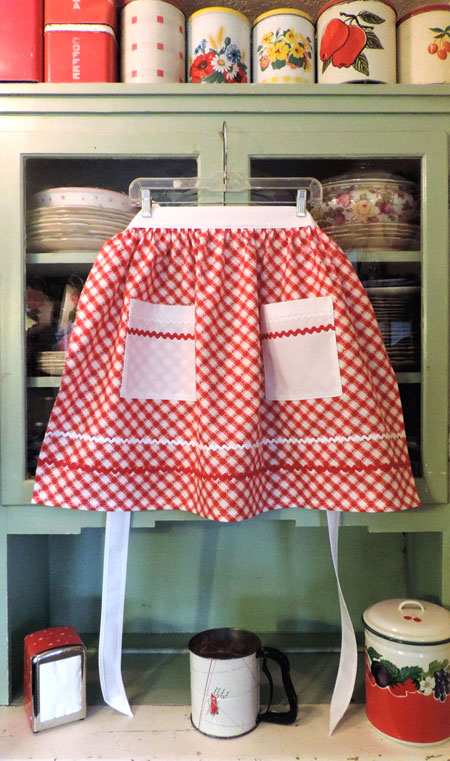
(441, 42)
(435, 680)
(345, 39)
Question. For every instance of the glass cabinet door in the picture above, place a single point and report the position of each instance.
(381, 209)
(54, 239)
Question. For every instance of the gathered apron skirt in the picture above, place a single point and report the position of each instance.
(226, 371)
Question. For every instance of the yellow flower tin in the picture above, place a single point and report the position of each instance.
(283, 47)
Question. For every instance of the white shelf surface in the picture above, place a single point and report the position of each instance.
(165, 733)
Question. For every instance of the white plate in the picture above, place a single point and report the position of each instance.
(38, 245)
(81, 196)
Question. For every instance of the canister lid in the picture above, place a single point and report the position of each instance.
(330, 3)
(424, 9)
(219, 9)
(403, 620)
(282, 12)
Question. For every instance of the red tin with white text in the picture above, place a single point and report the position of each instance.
(21, 41)
(81, 12)
(80, 53)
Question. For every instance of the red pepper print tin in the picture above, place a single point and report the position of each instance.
(356, 42)
(408, 670)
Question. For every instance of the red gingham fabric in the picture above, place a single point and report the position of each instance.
(231, 454)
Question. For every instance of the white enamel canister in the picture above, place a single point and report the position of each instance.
(225, 671)
(408, 670)
(423, 45)
(356, 42)
(218, 46)
(152, 42)
(283, 47)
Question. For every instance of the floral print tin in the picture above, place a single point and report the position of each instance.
(423, 44)
(356, 42)
(218, 45)
(408, 670)
(152, 42)
(283, 47)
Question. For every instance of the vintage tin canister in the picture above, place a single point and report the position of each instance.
(423, 45)
(218, 46)
(54, 677)
(21, 41)
(356, 42)
(80, 12)
(283, 47)
(408, 670)
(80, 53)
(153, 44)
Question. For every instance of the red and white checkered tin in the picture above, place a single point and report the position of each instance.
(21, 41)
(152, 42)
(80, 53)
(54, 677)
(81, 12)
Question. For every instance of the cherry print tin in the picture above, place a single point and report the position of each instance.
(408, 670)
(54, 677)
(80, 12)
(80, 53)
(423, 44)
(21, 41)
(218, 45)
(152, 42)
(283, 47)
(356, 42)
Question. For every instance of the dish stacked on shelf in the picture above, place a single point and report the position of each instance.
(369, 208)
(75, 218)
(396, 303)
(51, 362)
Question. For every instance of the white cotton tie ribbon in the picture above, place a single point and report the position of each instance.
(111, 624)
(113, 601)
(348, 662)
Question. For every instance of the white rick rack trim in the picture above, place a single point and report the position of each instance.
(164, 441)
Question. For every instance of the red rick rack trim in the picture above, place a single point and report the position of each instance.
(296, 332)
(159, 334)
(238, 476)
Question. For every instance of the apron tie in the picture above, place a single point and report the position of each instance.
(111, 623)
(113, 601)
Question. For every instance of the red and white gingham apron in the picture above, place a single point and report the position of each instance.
(248, 305)
(227, 362)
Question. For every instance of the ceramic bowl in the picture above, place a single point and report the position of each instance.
(367, 194)
(368, 201)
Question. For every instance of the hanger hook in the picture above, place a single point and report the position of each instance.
(224, 136)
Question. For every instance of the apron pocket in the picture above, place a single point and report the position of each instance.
(160, 352)
(299, 349)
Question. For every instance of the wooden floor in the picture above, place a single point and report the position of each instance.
(165, 733)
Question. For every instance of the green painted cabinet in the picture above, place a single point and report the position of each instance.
(272, 573)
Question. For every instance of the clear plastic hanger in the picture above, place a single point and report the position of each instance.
(308, 189)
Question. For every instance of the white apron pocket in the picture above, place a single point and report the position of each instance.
(160, 352)
(299, 350)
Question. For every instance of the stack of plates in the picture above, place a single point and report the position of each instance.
(51, 362)
(65, 219)
(397, 309)
(385, 235)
